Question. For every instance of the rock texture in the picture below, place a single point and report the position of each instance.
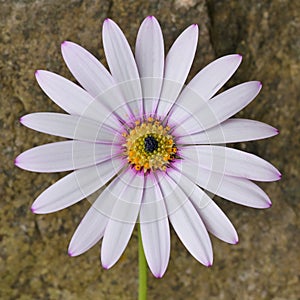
(33, 255)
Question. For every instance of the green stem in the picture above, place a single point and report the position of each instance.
(142, 269)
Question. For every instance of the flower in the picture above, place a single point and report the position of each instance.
(155, 147)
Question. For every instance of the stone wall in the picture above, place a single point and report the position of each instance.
(33, 255)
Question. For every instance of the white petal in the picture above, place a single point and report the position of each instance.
(122, 65)
(69, 126)
(73, 99)
(63, 92)
(213, 218)
(210, 79)
(155, 228)
(231, 162)
(89, 232)
(238, 190)
(65, 156)
(149, 54)
(231, 131)
(123, 217)
(243, 191)
(191, 190)
(92, 227)
(94, 77)
(186, 221)
(217, 110)
(86, 68)
(177, 66)
(217, 223)
(75, 187)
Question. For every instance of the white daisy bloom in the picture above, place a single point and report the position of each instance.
(155, 146)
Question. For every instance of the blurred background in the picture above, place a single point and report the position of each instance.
(33, 252)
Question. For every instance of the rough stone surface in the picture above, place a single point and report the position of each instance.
(33, 255)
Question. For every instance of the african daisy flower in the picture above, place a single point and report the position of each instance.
(155, 147)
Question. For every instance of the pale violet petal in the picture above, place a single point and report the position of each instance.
(190, 189)
(73, 99)
(149, 55)
(69, 126)
(177, 66)
(66, 94)
(65, 156)
(122, 65)
(149, 49)
(217, 223)
(207, 82)
(238, 190)
(63, 92)
(215, 111)
(186, 221)
(213, 218)
(155, 228)
(123, 217)
(243, 191)
(75, 187)
(93, 225)
(211, 78)
(94, 77)
(230, 131)
(231, 162)
(86, 68)
(89, 232)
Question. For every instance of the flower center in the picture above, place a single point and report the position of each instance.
(149, 146)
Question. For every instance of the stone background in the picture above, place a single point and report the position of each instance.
(33, 254)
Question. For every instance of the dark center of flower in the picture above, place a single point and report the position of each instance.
(150, 144)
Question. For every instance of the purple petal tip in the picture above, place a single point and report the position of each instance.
(21, 119)
(277, 131)
(209, 265)
(36, 72)
(32, 210)
(236, 242)
(70, 253)
(64, 43)
(158, 276)
(105, 267)
(16, 161)
(260, 84)
(270, 205)
(150, 17)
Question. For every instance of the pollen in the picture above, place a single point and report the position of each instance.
(149, 146)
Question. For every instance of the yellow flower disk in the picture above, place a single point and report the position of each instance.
(149, 145)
